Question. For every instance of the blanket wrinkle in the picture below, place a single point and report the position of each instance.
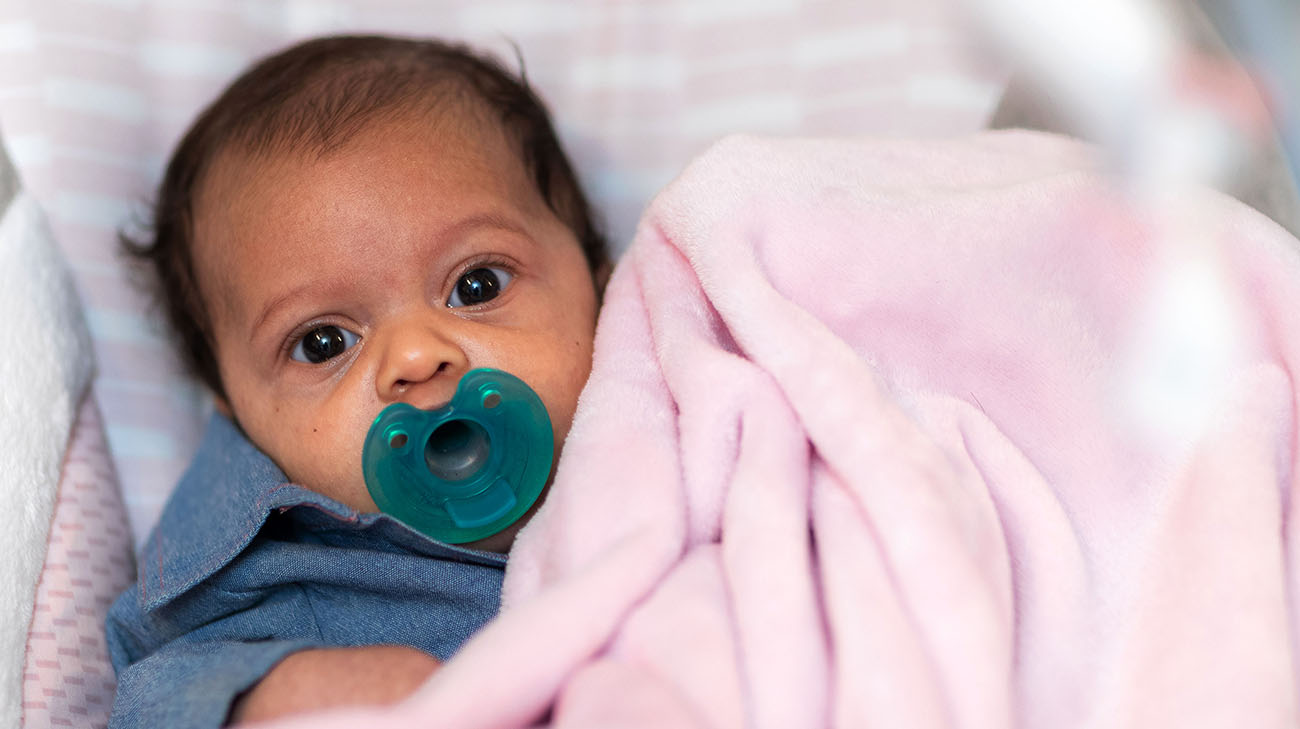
(684, 330)
(854, 452)
(1051, 633)
(766, 523)
(869, 625)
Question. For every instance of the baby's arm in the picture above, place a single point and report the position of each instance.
(320, 678)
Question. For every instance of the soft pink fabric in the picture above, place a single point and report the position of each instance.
(67, 681)
(852, 454)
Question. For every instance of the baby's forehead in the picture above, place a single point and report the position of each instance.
(309, 129)
(240, 165)
(249, 198)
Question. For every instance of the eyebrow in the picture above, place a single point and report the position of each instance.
(276, 303)
(489, 219)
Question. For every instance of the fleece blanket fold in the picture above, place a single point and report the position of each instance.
(860, 448)
(45, 372)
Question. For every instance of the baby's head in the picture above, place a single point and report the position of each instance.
(358, 221)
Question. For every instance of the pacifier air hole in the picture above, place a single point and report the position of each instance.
(457, 450)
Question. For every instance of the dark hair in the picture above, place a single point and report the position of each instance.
(313, 97)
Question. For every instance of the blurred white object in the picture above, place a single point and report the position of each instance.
(1185, 343)
(1106, 59)
(1120, 71)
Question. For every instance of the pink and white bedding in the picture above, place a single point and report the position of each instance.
(854, 453)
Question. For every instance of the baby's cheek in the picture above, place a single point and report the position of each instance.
(317, 455)
(562, 410)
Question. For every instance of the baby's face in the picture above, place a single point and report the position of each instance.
(380, 273)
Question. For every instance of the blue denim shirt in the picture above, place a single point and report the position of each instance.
(244, 569)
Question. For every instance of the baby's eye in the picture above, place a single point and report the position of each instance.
(323, 343)
(478, 286)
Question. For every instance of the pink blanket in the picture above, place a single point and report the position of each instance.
(856, 451)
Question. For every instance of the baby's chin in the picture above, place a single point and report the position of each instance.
(499, 542)
(502, 540)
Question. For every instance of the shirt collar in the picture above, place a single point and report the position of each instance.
(221, 503)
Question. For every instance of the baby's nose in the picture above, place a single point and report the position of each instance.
(420, 364)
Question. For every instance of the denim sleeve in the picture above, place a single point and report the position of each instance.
(193, 685)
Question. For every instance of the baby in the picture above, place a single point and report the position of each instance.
(354, 222)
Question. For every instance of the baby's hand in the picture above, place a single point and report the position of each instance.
(321, 678)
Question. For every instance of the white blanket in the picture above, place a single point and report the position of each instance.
(44, 371)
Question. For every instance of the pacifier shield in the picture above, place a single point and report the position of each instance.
(468, 469)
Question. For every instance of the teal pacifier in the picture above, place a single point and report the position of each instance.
(468, 469)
